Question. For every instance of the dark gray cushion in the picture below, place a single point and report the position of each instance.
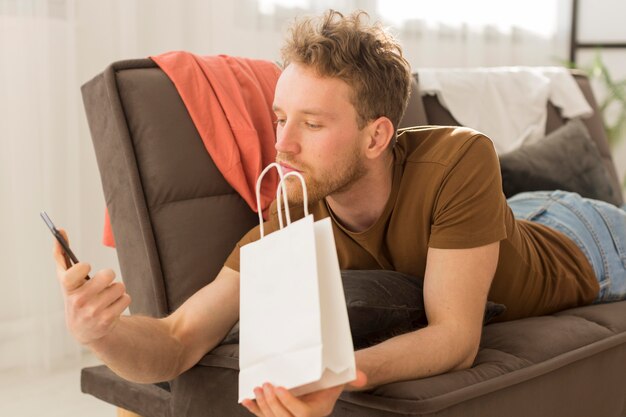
(382, 304)
(567, 159)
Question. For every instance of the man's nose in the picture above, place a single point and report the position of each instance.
(287, 139)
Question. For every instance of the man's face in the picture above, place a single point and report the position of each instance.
(317, 133)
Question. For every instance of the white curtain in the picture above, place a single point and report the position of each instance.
(48, 48)
(454, 33)
(40, 168)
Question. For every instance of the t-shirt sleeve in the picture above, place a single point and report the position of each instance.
(470, 208)
(253, 235)
(270, 226)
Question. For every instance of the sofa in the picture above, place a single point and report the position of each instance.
(175, 220)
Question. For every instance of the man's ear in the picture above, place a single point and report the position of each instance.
(380, 133)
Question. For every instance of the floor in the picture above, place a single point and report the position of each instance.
(53, 394)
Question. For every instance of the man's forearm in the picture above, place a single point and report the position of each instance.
(429, 351)
(140, 349)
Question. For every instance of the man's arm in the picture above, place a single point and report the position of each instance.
(145, 349)
(456, 284)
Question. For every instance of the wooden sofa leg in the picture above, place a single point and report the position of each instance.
(125, 413)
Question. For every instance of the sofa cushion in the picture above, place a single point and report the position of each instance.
(567, 159)
(536, 356)
(382, 304)
(518, 351)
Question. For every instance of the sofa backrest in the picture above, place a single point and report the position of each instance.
(436, 114)
(174, 217)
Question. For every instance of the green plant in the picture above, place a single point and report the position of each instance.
(613, 105)
(615, 96)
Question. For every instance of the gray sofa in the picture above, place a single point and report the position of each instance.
(175, 220)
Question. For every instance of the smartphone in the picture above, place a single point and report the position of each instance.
(70, 258)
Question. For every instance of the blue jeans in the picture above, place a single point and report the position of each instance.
(597, 228)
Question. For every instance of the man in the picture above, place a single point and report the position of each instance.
(427, 202)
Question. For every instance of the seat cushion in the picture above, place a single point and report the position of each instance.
(580, 351)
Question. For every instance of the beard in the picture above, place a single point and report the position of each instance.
(319, 186)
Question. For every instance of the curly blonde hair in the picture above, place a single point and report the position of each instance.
(365, 56)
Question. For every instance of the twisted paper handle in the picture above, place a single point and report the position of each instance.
(281, 191)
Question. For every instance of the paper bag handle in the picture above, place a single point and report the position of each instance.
(281, 191)
(281, 184)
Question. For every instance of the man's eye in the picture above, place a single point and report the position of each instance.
(280, 122)
(313, 126)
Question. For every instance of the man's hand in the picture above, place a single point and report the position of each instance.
(92, 308)
(278, 402)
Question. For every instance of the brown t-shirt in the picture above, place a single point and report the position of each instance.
(447, 193)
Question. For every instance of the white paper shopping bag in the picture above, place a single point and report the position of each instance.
(293, 324)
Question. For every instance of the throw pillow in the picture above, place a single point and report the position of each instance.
(567, 159)
(382, 304)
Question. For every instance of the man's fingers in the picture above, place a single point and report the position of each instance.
(74, 277)
(101, 280)
(262, 403)
(291, 403)
(118, 307)
(252, 407)
(360, 381)
(274, 404)
(108, 297)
